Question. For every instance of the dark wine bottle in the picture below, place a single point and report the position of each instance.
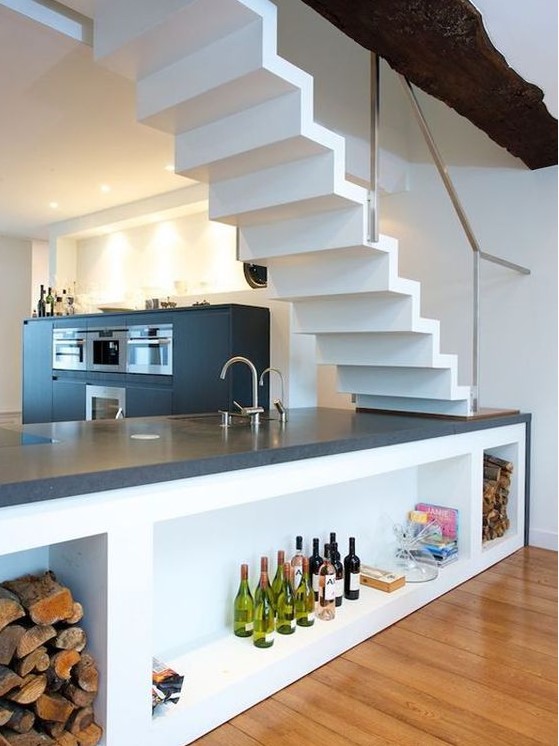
(285, 608)
(297, 563)
(352, 568)
(41, 308)
(304, 598)
(336, 554)
(263, 633)
(315, 561)
(243, 607)
(326, 604)
(339, 568)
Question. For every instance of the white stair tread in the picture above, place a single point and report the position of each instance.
(456, 408)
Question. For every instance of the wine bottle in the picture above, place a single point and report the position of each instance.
(336, 554)
(263, 632)
(49, 304)
(278, 578)
(304, 598)
(259, 590)
(326, 604)
(297, 563)
(352, 568)
(285, 609)
(339, 568)
(243, 607)
(315, 561)
(41, 303)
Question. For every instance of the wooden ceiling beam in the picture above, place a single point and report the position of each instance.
(442, 47)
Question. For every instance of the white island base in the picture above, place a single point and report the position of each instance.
(156, 567)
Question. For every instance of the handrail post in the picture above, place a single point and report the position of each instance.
(374, 149)
(476, 334)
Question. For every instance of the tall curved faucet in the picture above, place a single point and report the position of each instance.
(246, 361)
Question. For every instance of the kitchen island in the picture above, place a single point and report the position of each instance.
(148, 520)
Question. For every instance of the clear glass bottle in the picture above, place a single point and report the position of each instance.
(326, 604)
(315, 561)
(297, 563)
(264, 623)
(285, 608)
(304, 599)
(243, 607)
(352, 570)
(339, 568)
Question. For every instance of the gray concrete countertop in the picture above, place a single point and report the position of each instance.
(47, 461)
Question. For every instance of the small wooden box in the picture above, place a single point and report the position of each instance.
(382, 580)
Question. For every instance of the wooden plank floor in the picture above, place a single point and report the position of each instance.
(476, 666)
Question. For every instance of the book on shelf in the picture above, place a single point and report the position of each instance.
(445, 517)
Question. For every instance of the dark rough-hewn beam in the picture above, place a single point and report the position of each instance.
(442, 47)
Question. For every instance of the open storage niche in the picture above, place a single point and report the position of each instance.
(515, 507)
(81, 565)
(196, 575)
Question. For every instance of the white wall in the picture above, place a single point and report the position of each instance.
(15, 263)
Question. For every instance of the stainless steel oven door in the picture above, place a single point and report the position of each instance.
(150, 350)
(106, 350)
(104, 402)
(68, 349)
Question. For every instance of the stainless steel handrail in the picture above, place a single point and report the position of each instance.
(478, 253)
(373, 229)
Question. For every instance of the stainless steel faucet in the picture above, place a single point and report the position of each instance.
(252, 412)
(278, 403)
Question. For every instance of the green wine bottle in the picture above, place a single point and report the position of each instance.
(263, 635)
(278, 578)
(304, 598)
(285, 608)
(243, 607)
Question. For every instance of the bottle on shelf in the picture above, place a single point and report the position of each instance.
(264, 622)
(339, 568)
(304, 598)
(49, 303)
(315, 561)
(243, 607)
(278, 577)
(297, 563)
(41, 306)
(285, 608)
(352, 569)
(336, 554)
(259, 589)
(64, 303)
(326, 604)
(58, 307)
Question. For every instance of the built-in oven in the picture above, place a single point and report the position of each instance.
(150, 349)
(105, 402)
(69, 349)
(106, 350)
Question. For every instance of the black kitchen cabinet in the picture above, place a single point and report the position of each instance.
(68, 400)
(203, 342)
(148, 401)
(204, 338)
(37, 371)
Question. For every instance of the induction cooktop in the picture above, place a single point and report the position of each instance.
(14, 438)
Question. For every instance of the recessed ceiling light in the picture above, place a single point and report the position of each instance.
(105, 188)
(53, 205)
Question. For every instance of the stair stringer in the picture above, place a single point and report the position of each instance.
(285, 188)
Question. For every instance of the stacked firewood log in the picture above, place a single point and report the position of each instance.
(48, 680)
(497, 475)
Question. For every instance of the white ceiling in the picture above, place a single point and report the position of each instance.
(67, 126)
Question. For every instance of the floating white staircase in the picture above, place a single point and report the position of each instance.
(208, 72)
